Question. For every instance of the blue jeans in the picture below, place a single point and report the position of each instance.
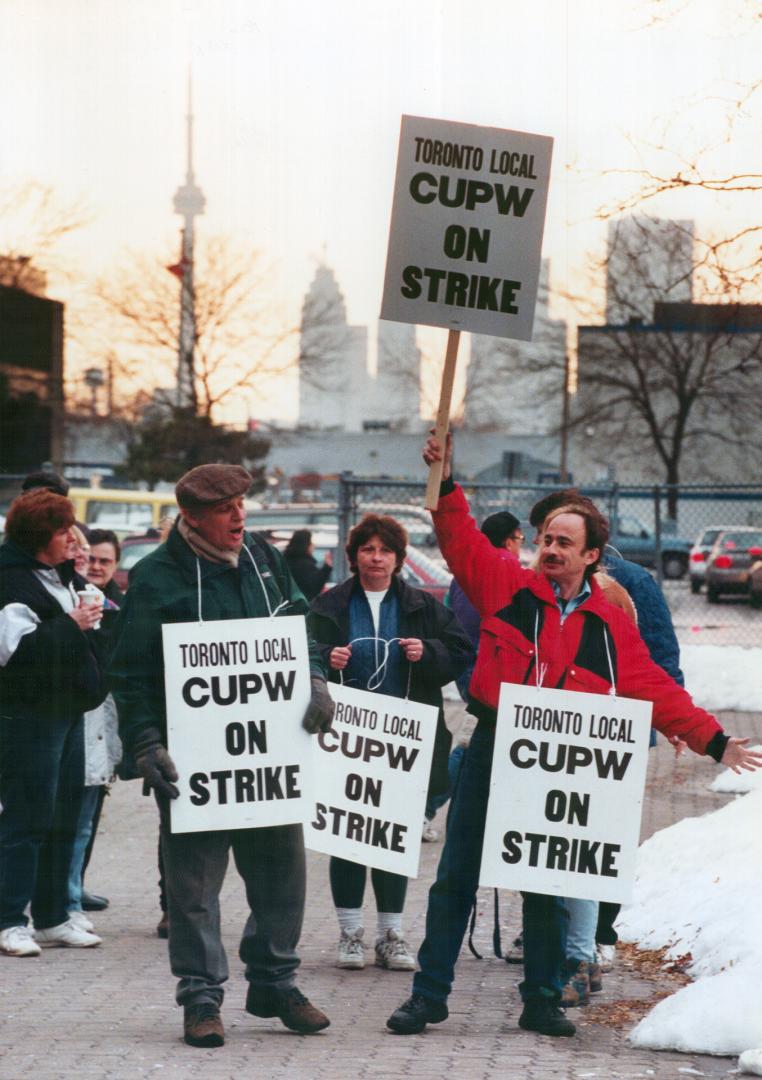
(452, 895)
(42, 770)
(90, 798)
(583, 920)
(454, 763)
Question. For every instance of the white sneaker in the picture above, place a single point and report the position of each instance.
(605, 956)
(392, 953)
(429, 834)
(18, 941)
(67, 934)
(351, 950)
(80, 920)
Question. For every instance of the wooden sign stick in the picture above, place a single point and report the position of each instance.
(443, 417)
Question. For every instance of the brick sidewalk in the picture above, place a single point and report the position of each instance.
(110, 1012)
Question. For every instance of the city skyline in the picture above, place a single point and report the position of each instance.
(297, 118)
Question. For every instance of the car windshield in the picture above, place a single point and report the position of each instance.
(708, 537)
(740, 540)
(134, 553)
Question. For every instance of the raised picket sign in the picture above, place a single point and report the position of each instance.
(566, 793)
(466, 227)
(236, 692)
(371, 778)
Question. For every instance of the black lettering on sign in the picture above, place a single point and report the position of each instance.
(375, 832)
(246, 738)
(198, 785)
(360, 789)
(581, 856)
(569, 758)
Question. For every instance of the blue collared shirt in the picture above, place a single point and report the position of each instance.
(566, 607)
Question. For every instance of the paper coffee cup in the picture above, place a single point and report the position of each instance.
(87, 597)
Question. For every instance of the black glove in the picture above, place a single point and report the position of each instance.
(319, 712)
(157, 768)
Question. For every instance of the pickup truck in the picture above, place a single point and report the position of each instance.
(635, 542)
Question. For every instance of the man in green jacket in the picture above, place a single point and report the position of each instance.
(210, 568)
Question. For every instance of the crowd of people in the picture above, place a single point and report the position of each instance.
(83, 693)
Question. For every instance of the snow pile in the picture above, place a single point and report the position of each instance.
(730, 783)
(697, 891)
(723, 676)
(751, 1062)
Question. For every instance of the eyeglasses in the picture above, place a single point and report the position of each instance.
(518, 536)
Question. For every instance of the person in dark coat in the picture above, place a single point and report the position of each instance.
(50, 675)
(105, 552)
(428, 649)
(103, 559)
(303, 565)
(211, 568)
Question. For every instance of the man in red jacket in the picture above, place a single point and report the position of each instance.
(552, 627)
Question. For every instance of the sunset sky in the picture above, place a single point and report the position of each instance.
(298, 104)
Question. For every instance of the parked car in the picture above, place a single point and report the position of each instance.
(732, 556)
(638, 544)
(755, 584)
(700, 553)
(133, 550)
(290, 516)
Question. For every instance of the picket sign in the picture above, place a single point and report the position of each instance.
(371, 778)
(465, 237)
(236, 693)
(566, 793)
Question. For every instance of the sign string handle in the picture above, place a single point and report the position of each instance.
(270, 611)
(612, 690)
(283, 603)
(377, 677)
(540, 670)
(198, 584)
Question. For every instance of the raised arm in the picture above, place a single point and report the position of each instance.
(487, 577)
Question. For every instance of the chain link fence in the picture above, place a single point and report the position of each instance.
(659, 527)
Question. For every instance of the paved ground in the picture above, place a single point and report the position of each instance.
(110, 1012)
(731, 621)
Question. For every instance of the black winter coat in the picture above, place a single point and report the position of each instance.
(446, 651)
(57, 670)
(307, 574)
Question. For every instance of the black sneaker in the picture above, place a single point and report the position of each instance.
(544, 1016)
(290, 1006)
(414, 1014)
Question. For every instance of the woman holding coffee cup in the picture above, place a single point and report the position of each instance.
(50, 675)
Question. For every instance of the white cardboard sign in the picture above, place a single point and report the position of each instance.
(566, 793)
(466, 227)
(371, 777)
(236, 692)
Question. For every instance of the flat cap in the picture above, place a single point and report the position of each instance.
(208, 484)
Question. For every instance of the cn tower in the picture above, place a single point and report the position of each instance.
(189, 201)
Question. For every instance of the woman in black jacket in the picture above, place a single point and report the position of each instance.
(431, 651)
(50, 675)
(303, 565)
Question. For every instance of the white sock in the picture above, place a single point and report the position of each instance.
(388, 920)
(349, 919)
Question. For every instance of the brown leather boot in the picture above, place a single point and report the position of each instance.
(577, 989)
(596, 978)
(203, 1025)
(290, 1006)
